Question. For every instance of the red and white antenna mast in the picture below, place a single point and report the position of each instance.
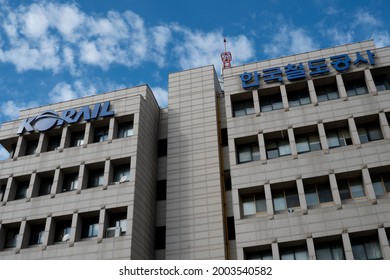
(226, 57)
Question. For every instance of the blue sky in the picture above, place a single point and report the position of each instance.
(53, 51)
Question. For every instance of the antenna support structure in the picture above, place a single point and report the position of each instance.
(226, 57)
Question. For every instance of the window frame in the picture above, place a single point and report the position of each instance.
(345, 191)
(243, 106)
(279, 146)
(253, 149)
(256, 201)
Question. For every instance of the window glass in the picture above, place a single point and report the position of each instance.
(121, 171)
(279, 201)
(261, 205)
(378, 186)
(344, 190)
(96, 177)
(324, 193)
(292, 198)
(357, 189)
(284, 148)
(302, 144)
(311, 196)
(125, 129)
(244, 154)
(248, 206)
(21, 190)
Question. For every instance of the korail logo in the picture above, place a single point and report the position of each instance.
(49, 119)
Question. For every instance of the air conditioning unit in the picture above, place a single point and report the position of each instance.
(123, 226)
(113, 232)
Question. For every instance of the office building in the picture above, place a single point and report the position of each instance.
(287, 158)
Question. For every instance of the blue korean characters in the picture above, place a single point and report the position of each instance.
(316, 67)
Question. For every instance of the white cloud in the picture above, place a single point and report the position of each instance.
(161, 96)
(10, 109)
(62, 92)
(381, 38)
(57, 36)
(289, 40)
(365, 19)
(197, 48)
(338, 36)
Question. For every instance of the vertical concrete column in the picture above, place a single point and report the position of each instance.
(268, 200)
(111, 129)
(370, 82)
(106, 176)
(240, 254)
(301, 194)
(334, 189)
(8, 189)
(368, 188)
(65, 138)
(353, 131)
(102, 219)
(88, 136)
(18, 149)
(48, 226)
(283, 92)
(312, 92)
(263, 153)
(310, 248)
(57, 182)
(347, 246)
(40, 145)
(229, 109)
(341, 87)
(384, 125)
(82, 180)
(384, 243)
(31, 185)
(256, 103)
(275, 251)
(322, 135)
(23, 236)
(291, 138)
(237, 209)
(75, 228)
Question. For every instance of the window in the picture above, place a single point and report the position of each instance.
(308, 143)
(294, 253)
(369, 132)
(161, 190)
(259, 255)
(381, 82)
(77, 138)
(317, 193)
(243, 107)
(366, 248)
(120, 171)
(117, 222)
(224, 137)
(21, 190)
(331, 250)
(11, 234)
(298, 97)
(350, 188)
(2, 192)
(31, 147)
(36, 234)
(125, 129)
(62, 228)
(277, 148)
(95, 178)
(100, 134)
(70, 182)
(53, 143)
(248, 152)
(381, 183)
(270, 103)
(327, 92)
(160, 238)
(90, 227)
(231, 228)
(355, 87)
(285, 199)
(45, 186)
(227, 180)
(338, 138)
(162, 147)
(253, 203)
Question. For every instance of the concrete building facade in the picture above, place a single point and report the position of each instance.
(287, 158)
